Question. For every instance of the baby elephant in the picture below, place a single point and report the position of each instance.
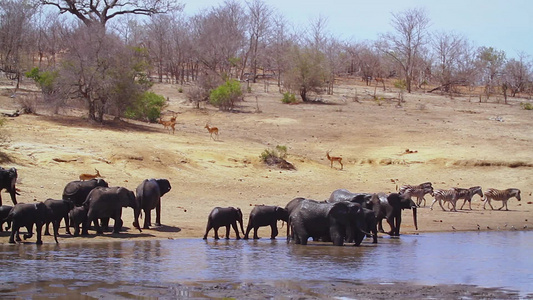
(264, 215)
(4, 212)
(224, 216)
(77, 217)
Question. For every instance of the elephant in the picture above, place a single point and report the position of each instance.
(78, 216)
(390, 207)
(224, 216)
(264, 215)
(26, 215)
(4, 212)
(107, 202)
(77, 191)
(293, 205)
(149, 194)
(58, 209)
(8, 179)
(330, 221)
(365, 199)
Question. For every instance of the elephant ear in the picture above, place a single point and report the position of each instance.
(72, 188)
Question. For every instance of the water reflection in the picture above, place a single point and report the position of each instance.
(496, 259)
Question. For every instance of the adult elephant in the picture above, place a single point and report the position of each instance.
(292, 206)
(8, 179)
(224, 216)
(390, 207)
(107, 202)
(365, 199)
(58, 210)
(149, 194)
(77, 191)
(265, 215)
(4, 212)
(27, 215)
(329, 221)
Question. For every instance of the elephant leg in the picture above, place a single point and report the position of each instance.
(390, 221)
(380, 226)
(274, 230)
(209, 227)
(158, 214)
(147, 219)
(234, 225)
(28, 235)
(67, 224)
(104, 223)
(118, 225)
(216, 233)
(14, 232)
(46, 230)
(38, 228)
(398, 220)
(76, 229)
(248, 229)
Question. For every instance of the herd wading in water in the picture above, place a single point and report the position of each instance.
(345, 217)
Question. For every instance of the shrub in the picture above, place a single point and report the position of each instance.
(526, 106)
(288, 98)
(180, 90)
(44, 79)
(400, 84)
(278, 152)
(225, 95)
(147, 107)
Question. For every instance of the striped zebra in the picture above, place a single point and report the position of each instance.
(420, 186)
(441, 195)
(500, 195)
(419, 193)
(467, 194)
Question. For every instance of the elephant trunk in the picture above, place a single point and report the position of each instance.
(414, 217)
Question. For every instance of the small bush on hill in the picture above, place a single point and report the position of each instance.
(288, 98)
(526, 106)
(276, 157)
(147, 107)
(226, 95)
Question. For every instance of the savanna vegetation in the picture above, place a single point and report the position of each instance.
(106, 56)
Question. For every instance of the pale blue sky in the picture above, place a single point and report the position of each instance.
(504, 25)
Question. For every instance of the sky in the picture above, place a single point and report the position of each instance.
(503, 25)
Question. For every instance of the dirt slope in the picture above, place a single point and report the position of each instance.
(452, 142)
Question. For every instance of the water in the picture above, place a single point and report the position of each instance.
(486, 259)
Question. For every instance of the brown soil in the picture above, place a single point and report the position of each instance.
(455, 142)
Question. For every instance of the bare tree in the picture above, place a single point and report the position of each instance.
(490, 62)
(16, 38)
(449, 51)
(219, 37)
(278, 45)
(406, 45)
(517, 73)
(92, 12)
(259, 18)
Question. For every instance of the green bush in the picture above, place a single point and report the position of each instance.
(288, 98)
(400, 84)
(44, 79)
(526, 106)
(180, 90)
(278, 152)
(225, 95)
(147, 107)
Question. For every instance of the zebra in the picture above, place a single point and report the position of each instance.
(419, 193)
(420, 186)
(467, 194)
(441, 195)
(500, 195)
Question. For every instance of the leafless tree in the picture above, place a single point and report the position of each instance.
(517, 73)
(219, 37)
(16, 38)
(277, 49)
(406, 45)
(448, 49)
(92, 12)
(490, 63)
(259, 19)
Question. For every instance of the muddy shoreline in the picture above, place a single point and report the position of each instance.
(337, 289)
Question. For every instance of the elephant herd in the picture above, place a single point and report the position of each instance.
(83, 203)
(344, 217)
